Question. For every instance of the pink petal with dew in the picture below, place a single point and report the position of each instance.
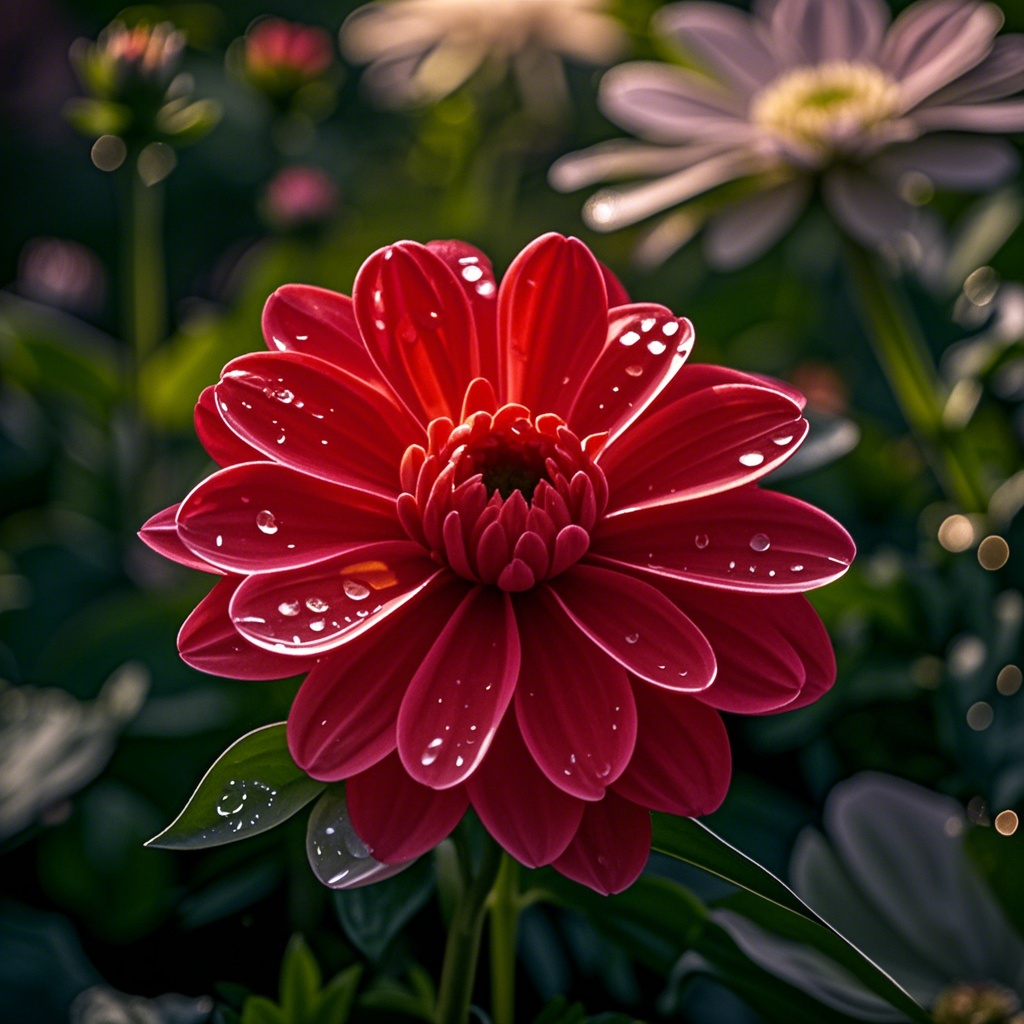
(222, 444)
(729, 42)
(533, 819)
(638, 626)
(681, 763)
(317, 608)
(416, 319)
(574, 704)
(460, 692)
(160, 532)
(554, 291)
(646, 346)
(262, 516)
(475, 274)
(317, 418)
(811, 32)
(610, 847)
(672, 105)
(343, 718)
(932, 44)
(702, 443)
(698, 376)
(210, 643)
(773, 652)
(398, 818)
(949, 162)
(749, 227)
(745, 539)
(317, 322)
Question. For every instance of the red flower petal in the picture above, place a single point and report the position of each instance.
(398, 818)
(637, 625)
(476, 275)
(681, 763)
(645, 348)
(343, 718)
(320, 607)
(418, 328)
(321, 323)
(574, 704)
(160, 532)
(552, 323)
(209, 642)
(699, 376)
(611, 846)
(617, 294)
(458, 696)
(744, 539)
(773, 651)
(314, 417)
(260, 516)
(222, 444)
(705, 442)
(528, 816)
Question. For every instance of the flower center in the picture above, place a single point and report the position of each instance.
(502, 498)
(826, 105)
(977, 1003)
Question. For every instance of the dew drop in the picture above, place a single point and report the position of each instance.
(317, 625)
(631, 638)
(629, 338)
(760, 542)
(796, 568)
(701, 540)
(752, 459)
(433, 749)
(670, 328)
(472, 273)
(317, 604)
(634, 371)
(232, 800)
(782, 440)
(281, 439)
(288, 608)
(656, 347)
(282, 395)
(266, 522)
(355, 590)
(647, 324)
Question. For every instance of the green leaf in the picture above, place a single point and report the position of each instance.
(93, 118)
(337, 997)
(253, 786)
(773, 905)
(374, 914)
(300, 981)
(258, 1010)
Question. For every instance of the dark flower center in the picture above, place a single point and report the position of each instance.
(512, 460)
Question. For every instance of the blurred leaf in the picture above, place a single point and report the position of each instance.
(94, 118)
(253, 786)
(561, 1011)
(998, 859)
(185, 123)
(772, 905)
(337, 997)
(259, 1010)
(374, 914)
(300, 981)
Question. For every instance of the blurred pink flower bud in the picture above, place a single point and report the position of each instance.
(281, 56)
(298, 196)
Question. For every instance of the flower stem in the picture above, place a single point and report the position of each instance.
(463, 947)
(504, 923)
(915, 382)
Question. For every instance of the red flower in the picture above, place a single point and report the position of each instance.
(522, 556)
(281, 56)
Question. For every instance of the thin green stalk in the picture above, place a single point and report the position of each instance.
(504, 923)
(915, 382)
(463, 947)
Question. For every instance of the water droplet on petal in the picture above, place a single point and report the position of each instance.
(629, 338)
(752, 459)
(288, 608)
(760, 542)
(433, 749)
(631, 638)
(635, 371)
(282, 395)
(355, 590)
(796, 568)
(317, 625)
(656, 347)
(317, 604)
(782, 440)
(266, 522)
(701, 540)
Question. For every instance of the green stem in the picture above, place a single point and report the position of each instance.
(463, 947)
(915, 382)
(504, 923)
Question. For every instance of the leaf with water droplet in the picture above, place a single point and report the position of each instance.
(253, 786)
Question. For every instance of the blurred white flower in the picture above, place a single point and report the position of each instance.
(51, 745)
(797, 91)
(422, 50)
(897, 883)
